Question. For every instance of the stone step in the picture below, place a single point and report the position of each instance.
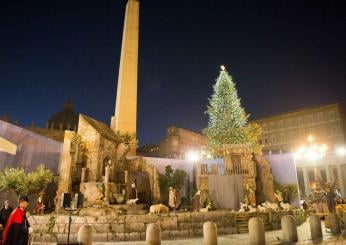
(137, 212)
(43, 243)
(129, 207)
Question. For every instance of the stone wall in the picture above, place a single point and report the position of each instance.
(141, 164)
(112, 227)
(51, 228)
(92, 140)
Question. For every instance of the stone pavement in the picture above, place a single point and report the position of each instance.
(272, 238)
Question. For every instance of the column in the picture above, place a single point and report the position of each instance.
(306, 181)
(84, 175)
(107, 172)
(125, 115)
(126, 180)
(341, 180)
(329, 178)
(316, 174)
(318, 177)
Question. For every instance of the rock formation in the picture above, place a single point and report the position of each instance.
(264, 180)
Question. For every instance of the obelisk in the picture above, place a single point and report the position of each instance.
(125, 117)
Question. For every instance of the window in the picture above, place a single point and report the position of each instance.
(334, 130)
(274, 139)
(295, 122)
(272, 126)
(320, 116)
(281, 138)
(237, 167)
(332, 115)
(322, 131)
(264, 127)
(307, 120)
(236, 159)
(286, 124)
(315, 117)
(289, 123)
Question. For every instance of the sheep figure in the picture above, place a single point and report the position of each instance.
(261, 209)
(206, 209)
(243, 208)
(158, 209)
(132, 201)
(285, 206)
(274, 207)
(270, 206)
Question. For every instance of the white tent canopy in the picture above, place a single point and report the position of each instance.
(7, 146)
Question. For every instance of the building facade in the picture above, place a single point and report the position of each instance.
(178, 142)
(287, 132)
(148, 150)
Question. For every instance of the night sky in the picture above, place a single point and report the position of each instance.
(283, 55)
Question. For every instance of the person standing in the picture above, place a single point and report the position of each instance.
(134, 189)
(17, 228)
(305, 206)
(5, 213)
(331, 199)
(172, 198)
(196, 202)
(286, 196)
(39, 209)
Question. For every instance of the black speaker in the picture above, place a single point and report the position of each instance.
(80, 200)
(65, 200)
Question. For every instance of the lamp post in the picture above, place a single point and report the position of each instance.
(311, 153)
(341, 151)
(194, 157)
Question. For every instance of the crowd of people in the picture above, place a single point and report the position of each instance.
(341, 201)
(324, 199)
(14, 223)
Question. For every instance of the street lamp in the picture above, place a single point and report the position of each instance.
(194, 157)
(341, 151)
(312, 152)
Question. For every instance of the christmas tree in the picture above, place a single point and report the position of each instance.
(228, 121)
